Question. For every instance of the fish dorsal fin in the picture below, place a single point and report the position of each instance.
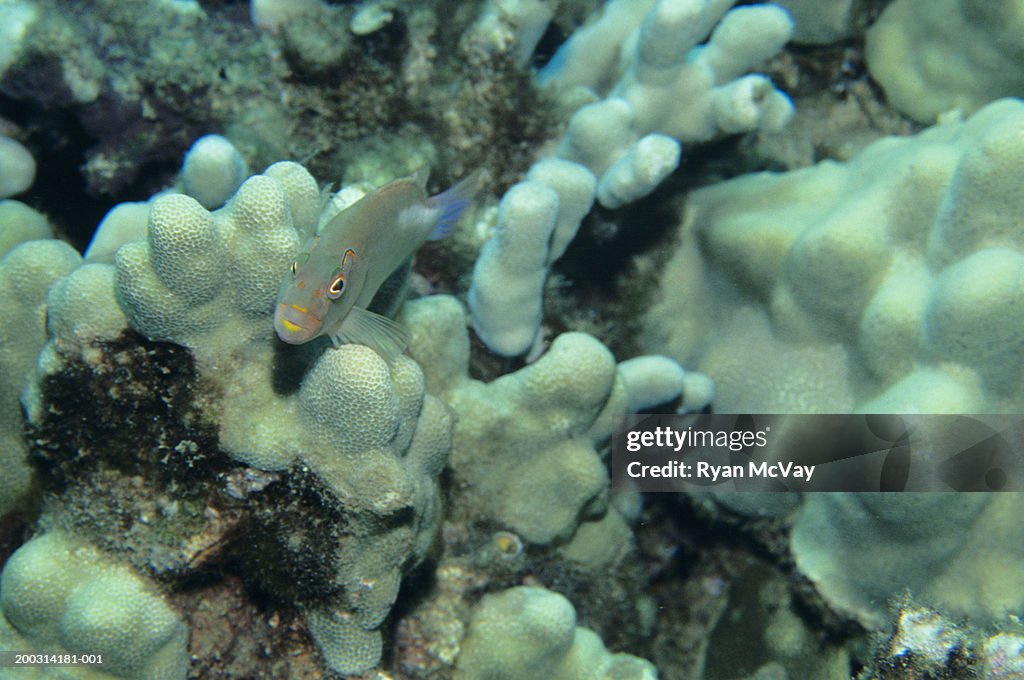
(325, 195)
(324, 199)
(363, 327)
(421, 176)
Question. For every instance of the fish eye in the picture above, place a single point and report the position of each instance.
(337, 286)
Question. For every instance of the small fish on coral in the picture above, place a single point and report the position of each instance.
(341, 266)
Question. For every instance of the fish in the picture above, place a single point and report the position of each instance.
(341, 266)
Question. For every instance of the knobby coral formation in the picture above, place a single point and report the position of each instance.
(60, 596)
(865, 300)
(525, 632)
(672, 88)
(360, 432)
(907, 52)
(26, 272)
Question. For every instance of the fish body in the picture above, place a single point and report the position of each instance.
(340, 268)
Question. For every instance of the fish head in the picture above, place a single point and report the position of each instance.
(316, 292)
(301, 305)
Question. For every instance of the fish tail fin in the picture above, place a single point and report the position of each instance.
(452, 203)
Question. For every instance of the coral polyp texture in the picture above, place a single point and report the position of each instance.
(865, 300)
(526, 445)
(202, 273)
(21, 223)
(26, 272)
(658, 84)
(530, 632)
(61, 596)
(951, 551)
(672, 87)
(537, 219)
(212, 171)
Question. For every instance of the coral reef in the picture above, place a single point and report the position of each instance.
(26, 272)
(366, 436)
(526, 445)
(535, 470)
(536, 221)
(60, 596)
(528, 632)
(17, 168)
(362, 427)
(908, 52)
(862, 300)
(671, 88)
(213, 170)
(951, 552)
(926, 644)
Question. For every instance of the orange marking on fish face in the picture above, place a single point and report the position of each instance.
(294, 324)
(294, 328)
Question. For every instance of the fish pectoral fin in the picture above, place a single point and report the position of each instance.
(363, 327)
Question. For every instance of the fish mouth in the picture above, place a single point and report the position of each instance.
(295, 325)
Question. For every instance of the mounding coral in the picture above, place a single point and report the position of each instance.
(856, 298)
